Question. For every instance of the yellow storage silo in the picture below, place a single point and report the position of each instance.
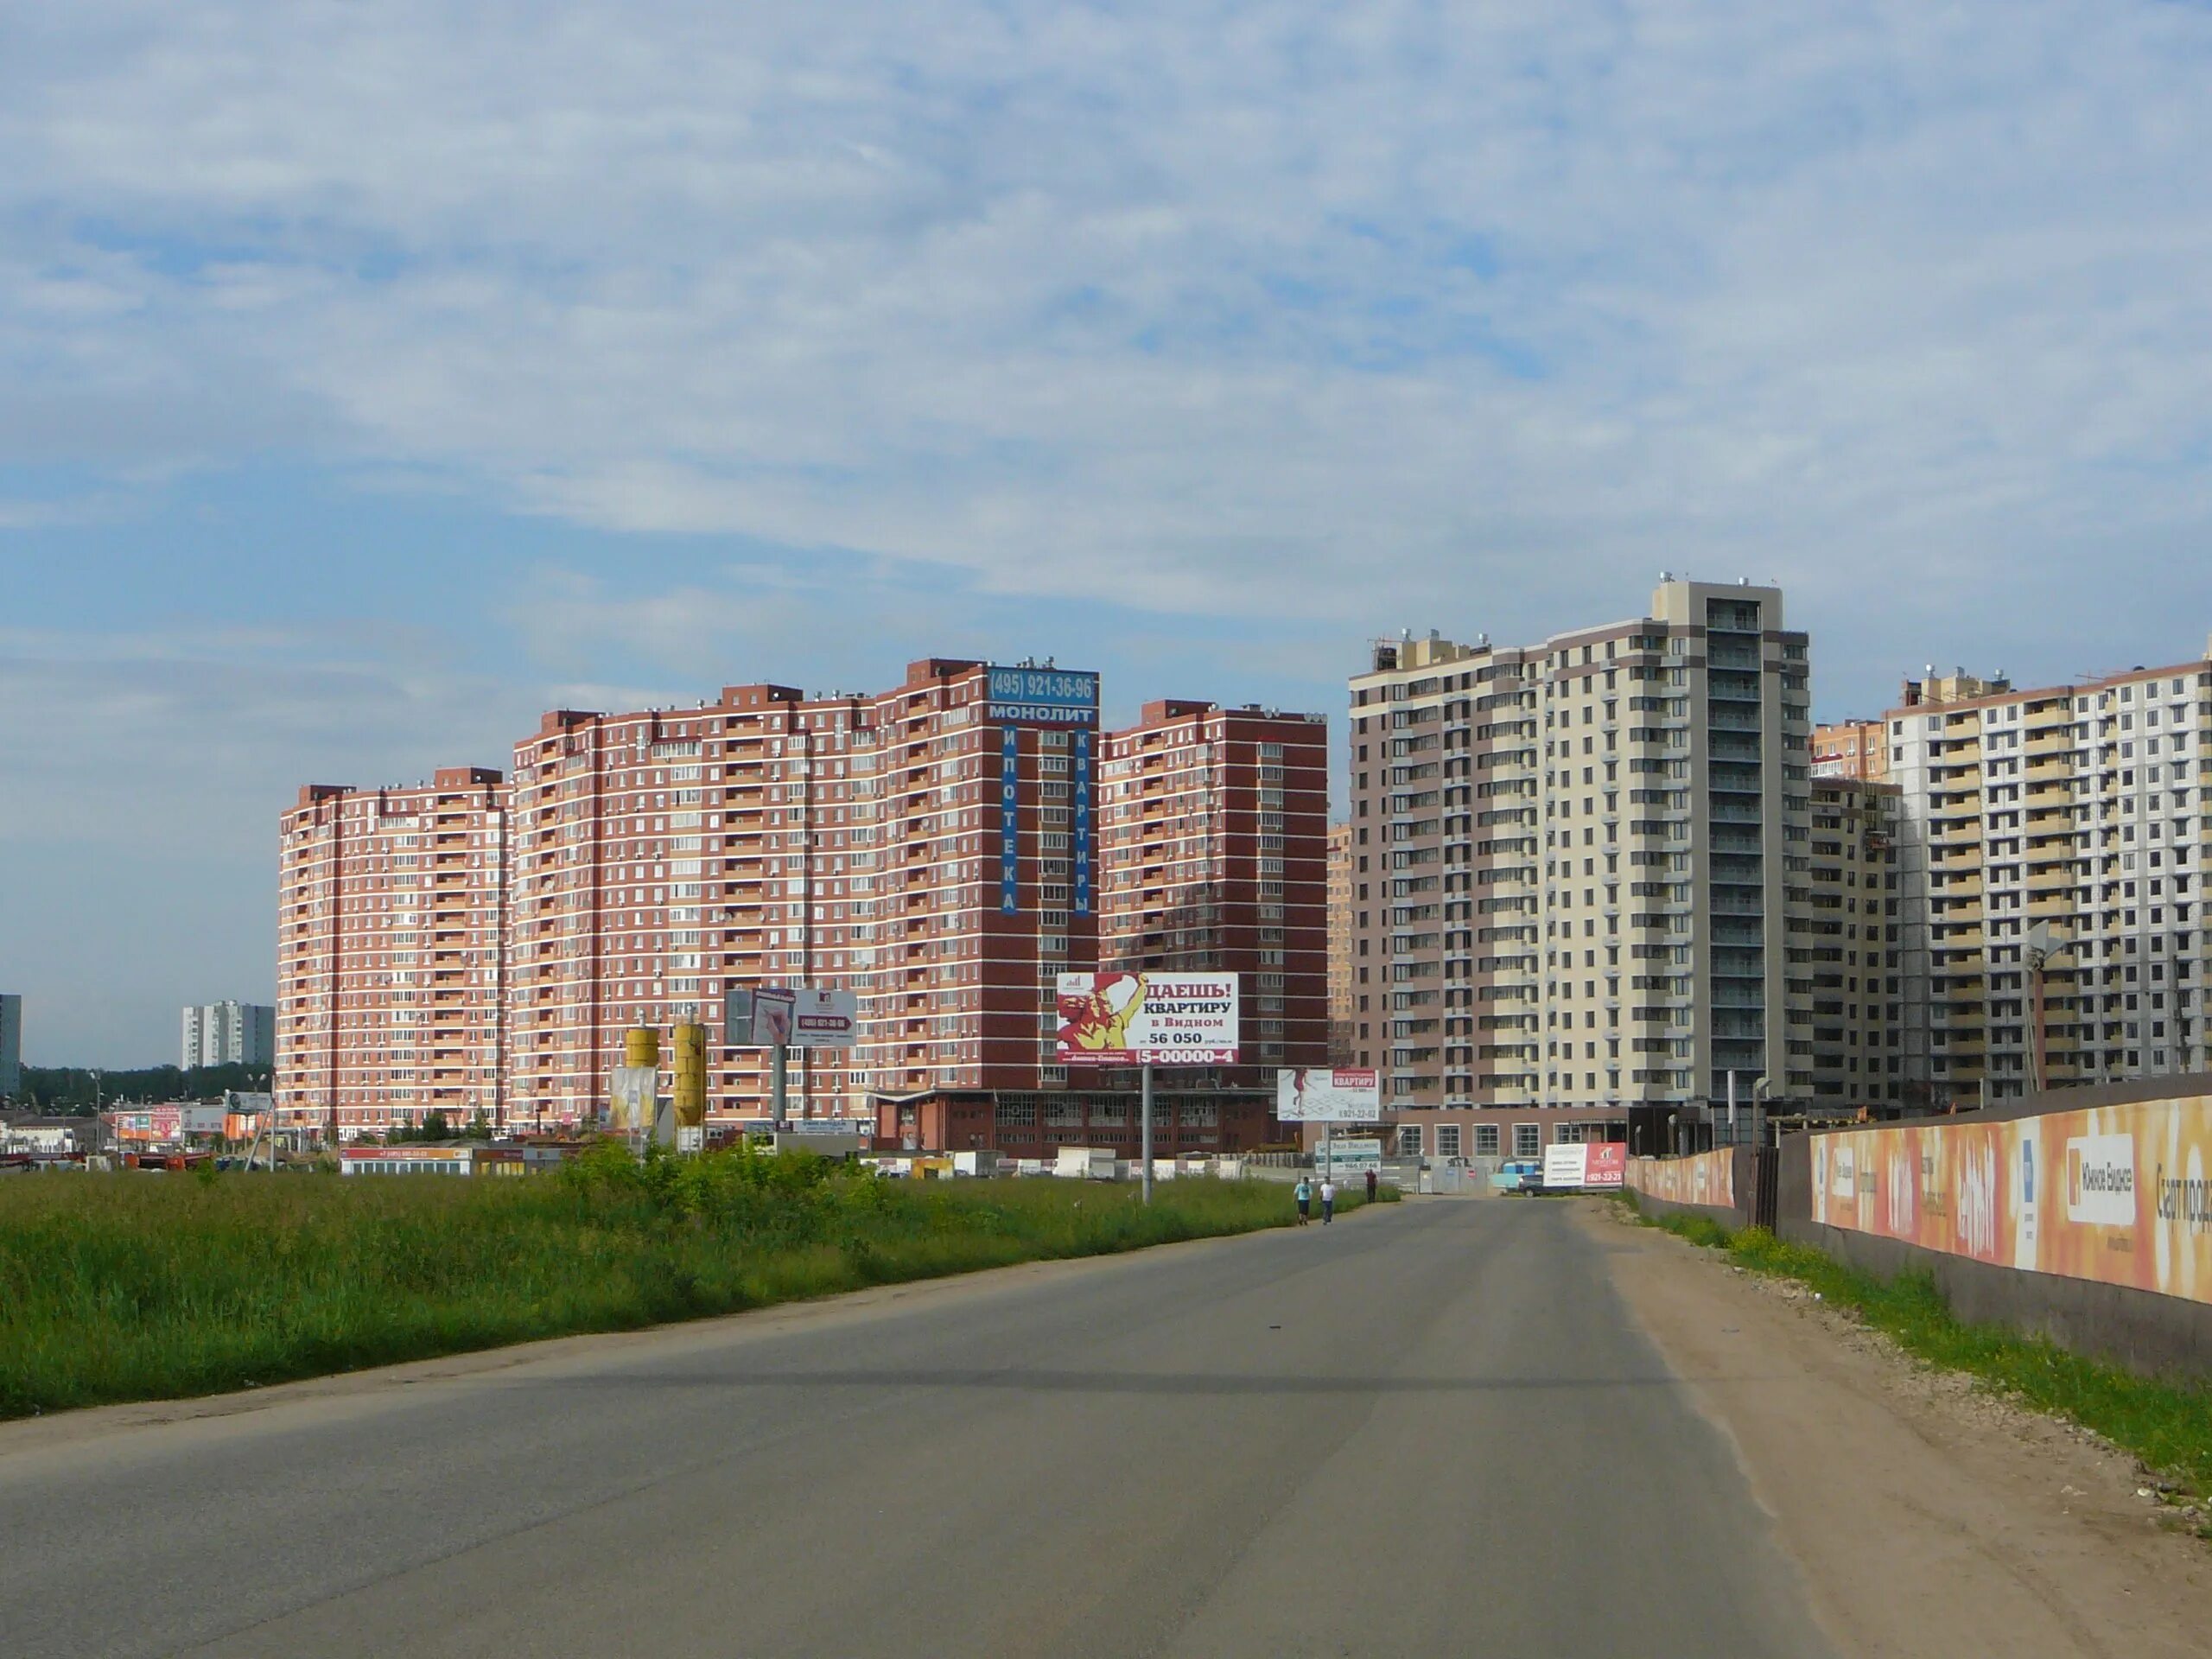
(689, 1060)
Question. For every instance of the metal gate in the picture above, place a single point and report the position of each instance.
(1766, 1170)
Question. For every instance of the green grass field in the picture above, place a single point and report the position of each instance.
(131, 1286)
(2166, 1423)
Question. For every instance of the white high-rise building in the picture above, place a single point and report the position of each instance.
(11, 1045)
(2051, 857)
(228, 1033)
(1580, 873)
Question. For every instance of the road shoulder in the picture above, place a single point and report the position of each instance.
(1929, 1517)
(370, 1386)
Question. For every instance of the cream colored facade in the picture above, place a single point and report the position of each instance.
(2075, 807)
(1576, 866)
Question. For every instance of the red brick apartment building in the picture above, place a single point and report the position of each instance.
(1212, 858)
(855, 841)
(939, 850)
(390, 953)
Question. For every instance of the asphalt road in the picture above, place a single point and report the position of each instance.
(1428, 1429)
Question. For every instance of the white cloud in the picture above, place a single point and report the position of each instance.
(1366, 301)
(1326, 319)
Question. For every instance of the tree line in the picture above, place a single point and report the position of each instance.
(70, 1091)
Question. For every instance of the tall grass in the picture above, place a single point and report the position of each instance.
(131, 1286)
(2167, 1422)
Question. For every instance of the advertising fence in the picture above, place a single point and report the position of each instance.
(1147, 1020)
(2120, 1195)
(1705, 1178)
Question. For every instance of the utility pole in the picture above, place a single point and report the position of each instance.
(1144, 1072)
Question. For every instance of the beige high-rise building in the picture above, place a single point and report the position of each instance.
(1575, 866)
(2059, 826)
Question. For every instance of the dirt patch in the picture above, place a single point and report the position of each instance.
(1931, 1516)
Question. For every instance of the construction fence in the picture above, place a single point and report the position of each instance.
(2084, 1215)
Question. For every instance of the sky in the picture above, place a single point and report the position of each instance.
(372, 377)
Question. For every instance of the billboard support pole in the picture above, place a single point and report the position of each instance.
(1145, 1106)
(780, 1083)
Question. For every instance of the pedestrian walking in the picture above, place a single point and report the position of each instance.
(1304, 1194)
(1328, 1199)
(1371, 1184)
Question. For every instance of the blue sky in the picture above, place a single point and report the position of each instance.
(373, 378)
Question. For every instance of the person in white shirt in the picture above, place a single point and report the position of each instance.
(1328, 1199)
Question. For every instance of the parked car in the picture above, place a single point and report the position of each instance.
(1519, 1175)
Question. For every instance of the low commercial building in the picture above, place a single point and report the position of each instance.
(44, 1136)
(1036, 1124)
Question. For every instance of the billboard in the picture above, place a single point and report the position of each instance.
(1321, 1096)
(1042, 696)
(1348, 1156)
(630, 1091)
(1143, 1018)
(2120, 1195)
(1592, 1166)
(822, 1018)
(1009, 822)
(802, 1016)
(773, 1011)
(1081, 821)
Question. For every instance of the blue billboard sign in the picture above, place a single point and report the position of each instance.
(1042, 696)
(1082, 823)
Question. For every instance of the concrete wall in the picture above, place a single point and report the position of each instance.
(1731, 1219)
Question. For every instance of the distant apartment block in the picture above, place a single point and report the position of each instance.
(1849, 951)
(1213, 858)
(227, 1034)
(11, 1045)
(2052, 866)
(1580, 871)
(1852, 748)
(1342, 1028)
(938, 848)
(390, 954)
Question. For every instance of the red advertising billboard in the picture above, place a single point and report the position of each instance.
(1147, 1020)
